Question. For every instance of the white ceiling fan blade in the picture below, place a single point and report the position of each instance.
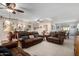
(2, 4)
(1, 8)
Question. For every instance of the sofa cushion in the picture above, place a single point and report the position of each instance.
(53, 38)
(24, 37)
(31, 36)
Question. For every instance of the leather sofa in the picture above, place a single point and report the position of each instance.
(56, 37)
(26, 40)
(31, 42)
(15, 50)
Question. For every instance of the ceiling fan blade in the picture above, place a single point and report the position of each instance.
(2, 4)
(19, 10)
(2, 8)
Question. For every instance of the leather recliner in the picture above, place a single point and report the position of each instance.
(56, 37)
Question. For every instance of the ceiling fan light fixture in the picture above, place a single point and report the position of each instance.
(9, 10)
(14, 12)
(11, 5)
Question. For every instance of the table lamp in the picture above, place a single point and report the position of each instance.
(8, 29)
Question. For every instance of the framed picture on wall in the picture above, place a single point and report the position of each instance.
(29, 26)
(73, 26)
(57, 27)
(46, 27)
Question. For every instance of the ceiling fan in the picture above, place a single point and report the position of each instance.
(12, 7)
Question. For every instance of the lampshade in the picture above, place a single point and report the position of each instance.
(8, 29)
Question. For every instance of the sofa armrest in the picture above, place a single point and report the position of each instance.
(10, 44)
(61, 39)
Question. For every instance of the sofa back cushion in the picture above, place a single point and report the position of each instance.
(54, 34)
(25, 37)
(36, 34)
(22, 33)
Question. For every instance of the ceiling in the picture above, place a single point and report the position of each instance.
(55, 11)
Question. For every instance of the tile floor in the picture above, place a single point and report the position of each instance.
(50, 49)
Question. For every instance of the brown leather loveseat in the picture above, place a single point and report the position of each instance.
(56, 37)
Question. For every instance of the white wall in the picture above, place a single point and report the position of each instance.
(42, 27)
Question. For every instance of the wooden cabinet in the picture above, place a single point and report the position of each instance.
(76, 46)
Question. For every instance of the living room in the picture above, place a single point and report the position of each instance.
(39, 29)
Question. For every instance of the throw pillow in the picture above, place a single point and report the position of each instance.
(31, 36)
